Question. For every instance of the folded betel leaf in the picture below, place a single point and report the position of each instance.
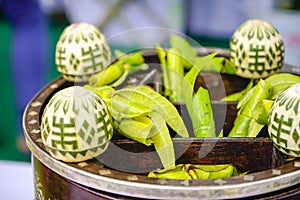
(124, 108)
(116, 73)
(263, 109)
(156, 102)
(81, 50)
(137, 128)
(109, 75)
(224, 65)
(239, 95)
(134, 59)
(254, 105)
(176, 172)
(256, 49)
(202, 114)
(196, 172)
(188, 53)
(162, 140)
(143, 115)
(282, 81)
(76, 125)
(245, 122)
(284, 120)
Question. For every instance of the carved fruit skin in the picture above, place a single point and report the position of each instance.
(76, 125)
(256, 49)
(284, 121)
(81, 51)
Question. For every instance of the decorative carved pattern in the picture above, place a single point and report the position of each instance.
(81, 51)
(284, 128)
(256, 49)
(76, 125)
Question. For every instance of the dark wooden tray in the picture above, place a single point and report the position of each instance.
(121, 171)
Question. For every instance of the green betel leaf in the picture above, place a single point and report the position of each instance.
(240, 126)
(134, 59)
(207, 63)
(202, 114)
(282, 78)
(239, 95)
(281, 81)
(116, 73)
(224, 66)
(134, 108)
(244, 99)
(162, 140)
(125, 108)
(229, 67)
(107, 76)
(225, 173)
(120, 80)
(212, 168)
(254, 128)
(137, 129)
(200, 63)
(262, 90)
(262, 110)
(157, 103)
(219, 65)
(175, 72)
(162, 56)
(196, 172)
(243, 124)
(233, 97)
(176, 173)
(187, 51)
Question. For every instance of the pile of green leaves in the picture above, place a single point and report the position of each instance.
(255, 102)
(145, 116)
(181, 66)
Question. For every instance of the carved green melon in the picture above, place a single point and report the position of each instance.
(76, 125)
(284, 121)
(81, 51)
(256, 49)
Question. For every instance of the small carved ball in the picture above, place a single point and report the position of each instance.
(76, 125)
(81, 51)
(256, 49)
(284, 121)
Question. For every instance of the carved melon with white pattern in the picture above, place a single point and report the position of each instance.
(76, 125)
(81, 51)
(284, 121)
(256, 49)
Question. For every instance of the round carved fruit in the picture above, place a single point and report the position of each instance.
(256, 49)
(81, 51)
(284, 121)
(76, 125)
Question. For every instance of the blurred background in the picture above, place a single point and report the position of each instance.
(28, 38)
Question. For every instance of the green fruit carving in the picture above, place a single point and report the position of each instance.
(76, 125)
(284, 121)
(256, 49)
(81, 51)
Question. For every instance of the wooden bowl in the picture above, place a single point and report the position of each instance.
(121, 172)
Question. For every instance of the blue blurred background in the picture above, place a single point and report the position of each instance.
(210, 23)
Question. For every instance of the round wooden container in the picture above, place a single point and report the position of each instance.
(121, 172)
